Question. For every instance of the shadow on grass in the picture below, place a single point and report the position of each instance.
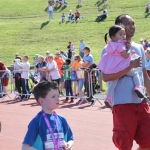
(44, 24)
(99, 3)
(147, 14)
(62, 8)
(78, 6)
(46, 9)
(100, 20)
(57, 8)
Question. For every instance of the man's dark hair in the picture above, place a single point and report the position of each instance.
(87, 48)
(118, 20)
(42, 89)
(68, 61)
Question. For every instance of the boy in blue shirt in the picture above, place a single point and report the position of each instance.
(47, 130)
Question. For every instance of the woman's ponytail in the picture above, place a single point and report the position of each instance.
(105, 38)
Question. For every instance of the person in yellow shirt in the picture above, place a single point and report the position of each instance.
(76, 65)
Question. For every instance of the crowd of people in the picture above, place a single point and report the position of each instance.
(68, 69)
(71, 16)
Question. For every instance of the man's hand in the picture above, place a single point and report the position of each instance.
(128, 45)
(136, 63)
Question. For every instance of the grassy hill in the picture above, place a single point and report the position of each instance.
(24, 26)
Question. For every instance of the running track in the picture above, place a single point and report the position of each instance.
(92, 126)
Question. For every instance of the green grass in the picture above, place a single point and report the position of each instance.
(21, 21)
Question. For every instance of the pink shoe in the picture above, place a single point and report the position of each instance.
(108, 101)
(138, 91)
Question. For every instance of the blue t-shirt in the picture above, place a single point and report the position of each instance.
(81, 46)
(148, 65)
(124, 91)
(88, 58)
(38, 132)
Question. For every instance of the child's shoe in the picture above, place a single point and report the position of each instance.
(65, 101)
(138, 91)
(108, 101)
(72, 101)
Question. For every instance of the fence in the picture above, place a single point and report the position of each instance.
(89, 88)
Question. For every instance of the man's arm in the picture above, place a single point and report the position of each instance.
(19, 65)
(133, 64)
(86, 64)
(146, 81)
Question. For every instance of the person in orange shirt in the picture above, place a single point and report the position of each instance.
(60, 63)
(76, 66)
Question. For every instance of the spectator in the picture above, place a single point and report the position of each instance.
(77, 15)
(2, 67)
(70, 49)
(87, 61)
(3, 79)
(35, 61)
(52, 70)
(142, 42)
(60, 63)
(47, 54)
(63, 56)
(147, 44)
(68, 82)
(81, 47)
(70, 16)
(147, 7)
(46, 125)
(125, 101)
(50, 11)
(40, 68)
(63, 17)
(61, 2)
(80, 75)
(104, 15)
(72, 57)
(17, 76)
(65, 3)
(147, 54)
(24, 77)
(74, 81)
(80, 3)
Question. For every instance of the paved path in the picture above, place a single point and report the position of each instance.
(92, 126)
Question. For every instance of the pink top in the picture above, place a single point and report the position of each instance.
(112, 61)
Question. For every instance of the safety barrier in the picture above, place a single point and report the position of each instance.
(88, 77)
(96, 84)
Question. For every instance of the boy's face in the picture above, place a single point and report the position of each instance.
(51, 101)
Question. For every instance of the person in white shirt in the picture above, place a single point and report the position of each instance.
(50, 11)
(52, 70)
(24, 77)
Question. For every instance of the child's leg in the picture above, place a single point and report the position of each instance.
(110, 91)
(67, 89)
(70, 89)
(136, 80)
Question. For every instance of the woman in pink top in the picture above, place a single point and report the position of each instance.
(116, 59)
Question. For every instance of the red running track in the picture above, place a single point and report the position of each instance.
(92, 126)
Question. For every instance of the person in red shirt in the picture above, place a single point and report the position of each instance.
(4, 77)
(77, 15)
